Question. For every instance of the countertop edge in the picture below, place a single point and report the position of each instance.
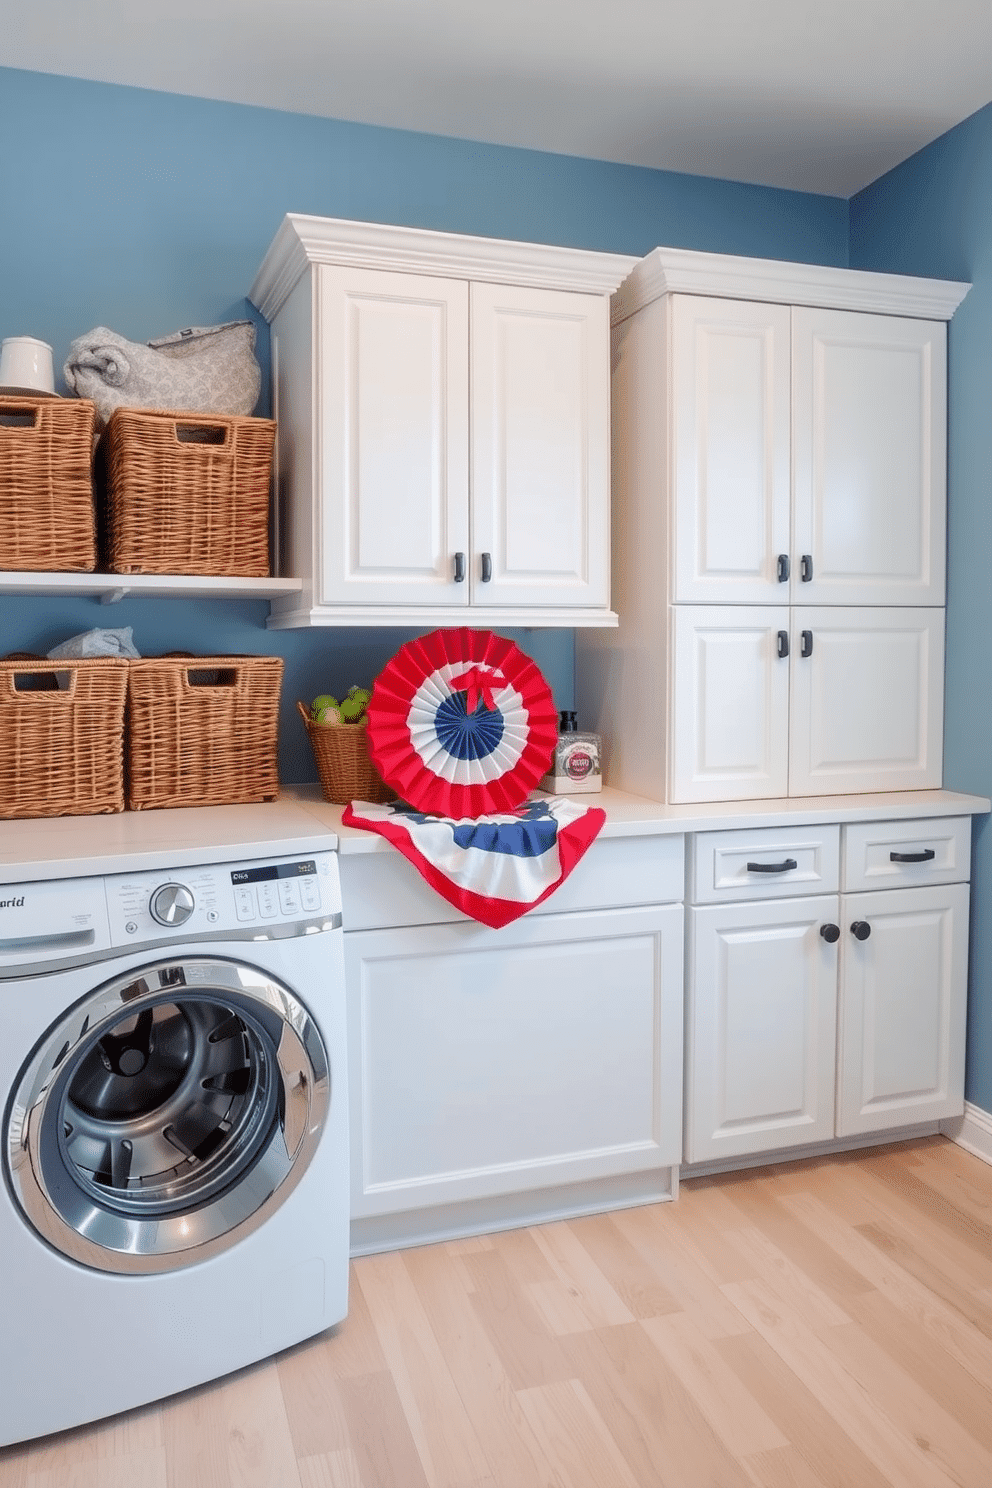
(301, 821)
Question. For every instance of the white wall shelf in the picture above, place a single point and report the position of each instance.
(111, 588)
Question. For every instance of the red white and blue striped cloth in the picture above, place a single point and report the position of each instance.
(493, 868)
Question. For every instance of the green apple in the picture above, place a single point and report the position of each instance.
(330, 715)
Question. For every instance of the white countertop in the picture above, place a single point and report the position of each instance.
(635, 816)
(128, 841)
(301, 821)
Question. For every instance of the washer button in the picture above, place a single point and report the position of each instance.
(310, 894)
(288, 896)
(268, 901)
(131, 928)
(244, 903)
(212, 916)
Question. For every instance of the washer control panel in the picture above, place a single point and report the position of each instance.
(258, 896)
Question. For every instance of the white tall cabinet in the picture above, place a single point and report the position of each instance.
(443, 405)
(779, 446)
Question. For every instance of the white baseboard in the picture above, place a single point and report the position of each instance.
(972, 1131)
(511, 1211)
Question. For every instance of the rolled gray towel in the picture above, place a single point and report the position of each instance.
(204, 369)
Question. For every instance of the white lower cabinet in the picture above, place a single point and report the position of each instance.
(824, 1015)
(760, 1037)
(487, 1063)
(902, 1015)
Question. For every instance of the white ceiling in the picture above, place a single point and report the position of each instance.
(821, 98)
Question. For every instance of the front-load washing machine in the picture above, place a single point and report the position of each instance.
(175, 1146)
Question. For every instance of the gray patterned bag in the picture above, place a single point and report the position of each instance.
(205, 369)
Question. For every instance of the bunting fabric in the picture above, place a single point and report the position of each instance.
(493, 868)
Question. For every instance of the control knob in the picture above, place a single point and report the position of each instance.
(171, 904)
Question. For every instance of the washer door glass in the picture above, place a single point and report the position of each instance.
(166, 1114)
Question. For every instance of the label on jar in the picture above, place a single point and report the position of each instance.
(576, 766)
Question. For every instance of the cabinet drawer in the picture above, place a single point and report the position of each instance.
(876, 853)
(770, 863)
(380, 890)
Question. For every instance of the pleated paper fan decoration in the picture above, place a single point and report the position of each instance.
(461, 723)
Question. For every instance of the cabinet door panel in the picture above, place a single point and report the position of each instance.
(540, 446)
(869, 438)
(867, 703)
(393, 399)
(761, 1027)
(730, 703)
(492, 1062)
(731, 467)
(903, 1008)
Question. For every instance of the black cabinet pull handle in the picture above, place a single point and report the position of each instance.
(783, 568)
(919, 857)
(806, 643)
(459, 568)
(487, 567)
(783, 867)
(783, 643)
(830, 933)
(861, 929)
(806, 568)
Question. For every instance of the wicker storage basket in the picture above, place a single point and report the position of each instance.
(186, 493)
(62, 747)
(342, 754)
(47, 517)
(202, 731)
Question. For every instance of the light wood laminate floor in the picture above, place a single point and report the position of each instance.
(822, 1324)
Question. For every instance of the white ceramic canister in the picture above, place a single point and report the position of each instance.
(26, 363)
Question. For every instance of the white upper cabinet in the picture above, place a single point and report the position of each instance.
(443, 404)
(731, 414)
(392, 456)
(779, 449)
(808, 455)
(869, 458)
(730, 700)
(866, 700)
(540, 447)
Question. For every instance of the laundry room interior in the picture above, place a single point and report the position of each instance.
(676, 1171)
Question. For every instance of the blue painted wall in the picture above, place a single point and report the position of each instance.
(933, 216)
(147, 212)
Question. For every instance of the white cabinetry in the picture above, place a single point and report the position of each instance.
(824, 1015)
(444, 417)
(530, 1070)
(779, 516)
(904, 974)
(779, 700)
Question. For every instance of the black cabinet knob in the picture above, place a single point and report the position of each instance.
(830, 933)
(861, 929)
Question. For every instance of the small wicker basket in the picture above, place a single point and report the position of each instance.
(186, 493)
(62, 736)
(342, 754)
(47, 518)
(202, 731)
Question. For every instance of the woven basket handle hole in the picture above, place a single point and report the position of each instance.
(21, 418)
(42, 681)
(212, 677)
(202, 433)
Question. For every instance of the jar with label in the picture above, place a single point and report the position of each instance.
(576, 767)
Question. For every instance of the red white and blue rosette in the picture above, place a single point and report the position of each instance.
(461, 723)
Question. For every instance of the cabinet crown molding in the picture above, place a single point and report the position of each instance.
(683, 271)
(303, 240)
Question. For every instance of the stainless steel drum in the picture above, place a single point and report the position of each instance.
(166, 1114)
